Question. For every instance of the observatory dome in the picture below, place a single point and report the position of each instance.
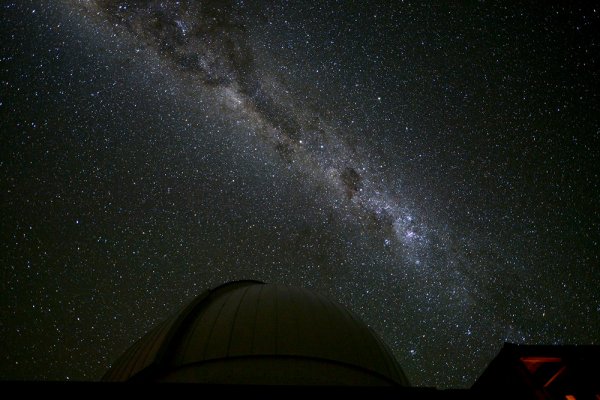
(249, 332)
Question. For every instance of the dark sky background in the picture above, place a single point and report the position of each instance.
(433, 167)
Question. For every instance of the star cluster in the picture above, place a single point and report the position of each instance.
(431, 167)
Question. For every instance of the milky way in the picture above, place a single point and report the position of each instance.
(205, 42)
(425, 166)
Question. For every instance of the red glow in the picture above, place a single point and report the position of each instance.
(533, 363)
(556, 375)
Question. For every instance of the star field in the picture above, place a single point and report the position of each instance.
(434, 168)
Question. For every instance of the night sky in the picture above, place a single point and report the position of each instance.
(433, 167)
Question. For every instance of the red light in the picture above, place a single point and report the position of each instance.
(533, 363)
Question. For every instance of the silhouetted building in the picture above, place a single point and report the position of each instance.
(543, 372)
